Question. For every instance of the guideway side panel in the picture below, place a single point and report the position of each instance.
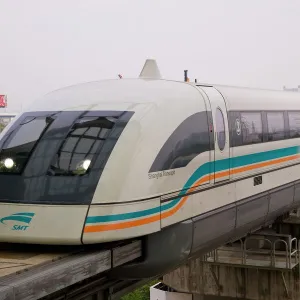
(213, 228)
(279, 200)
(252, 212)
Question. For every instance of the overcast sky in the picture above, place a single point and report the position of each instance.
(46, 45)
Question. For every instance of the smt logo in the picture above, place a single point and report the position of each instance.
(22, 218)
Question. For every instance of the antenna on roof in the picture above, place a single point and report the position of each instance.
(186, 79)
(150, 70)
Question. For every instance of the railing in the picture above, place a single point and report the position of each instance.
(269, 256)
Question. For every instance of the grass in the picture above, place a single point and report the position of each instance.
(142, 293)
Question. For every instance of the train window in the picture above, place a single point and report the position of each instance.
(275, 126)
(251, 127)
(294, 122)
(20, 144)
(84, 140)
(188, 140)
(220, 129)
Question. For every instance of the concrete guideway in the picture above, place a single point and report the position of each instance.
(30, 276)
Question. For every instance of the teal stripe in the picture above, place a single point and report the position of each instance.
(205, 169)
(242, 161)
(124, 216)
(29, 214)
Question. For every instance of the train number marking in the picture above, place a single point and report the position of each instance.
(238, 126)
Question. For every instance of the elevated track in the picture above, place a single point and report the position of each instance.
(28, 275)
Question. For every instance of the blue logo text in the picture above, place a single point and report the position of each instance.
(24, 217)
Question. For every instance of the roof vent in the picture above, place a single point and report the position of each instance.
(150, 70)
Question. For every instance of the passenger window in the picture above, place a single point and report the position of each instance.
(82, 143)
(251, 126)
(275, 126)
(220, 129)
(294, 122)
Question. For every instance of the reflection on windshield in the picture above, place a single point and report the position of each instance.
(20, 143)
(77, 152)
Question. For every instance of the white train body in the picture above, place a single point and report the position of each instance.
(202, 163)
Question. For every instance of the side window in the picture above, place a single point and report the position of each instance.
(294, 122)
(275, 122)
(251, 127)
(220, 129)
(188, 140)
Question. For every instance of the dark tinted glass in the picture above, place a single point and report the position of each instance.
(86, 137)
(20, 143)
(188, 140)
(251, 127)
(33, 184)
(220, 129)
(294, 123)
(275, 126)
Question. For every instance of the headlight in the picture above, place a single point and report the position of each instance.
(86, 163)
(8, 163)
(82, 166)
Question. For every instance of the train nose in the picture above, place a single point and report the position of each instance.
(50, 165)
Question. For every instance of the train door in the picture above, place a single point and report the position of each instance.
(221, 134)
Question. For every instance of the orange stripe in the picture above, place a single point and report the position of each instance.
(176, 208)
(97, 228)
(129, 224)
(123, 225)
(265, 164)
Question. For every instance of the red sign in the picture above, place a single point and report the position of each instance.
(3, 101)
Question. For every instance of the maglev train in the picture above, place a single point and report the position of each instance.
(186, 165)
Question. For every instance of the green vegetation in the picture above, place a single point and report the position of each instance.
(143, 293)
(2, 126)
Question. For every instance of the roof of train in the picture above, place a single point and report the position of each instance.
(120, 92)
(259, 99)
(151, 90)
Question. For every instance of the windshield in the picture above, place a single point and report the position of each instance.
(79, 148)
(57, 157)
(20, 143)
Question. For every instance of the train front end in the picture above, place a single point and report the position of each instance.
(75, 168)
(50, 164)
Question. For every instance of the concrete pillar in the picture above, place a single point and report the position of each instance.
(219, 281)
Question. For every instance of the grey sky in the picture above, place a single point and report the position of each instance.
(46, 45)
